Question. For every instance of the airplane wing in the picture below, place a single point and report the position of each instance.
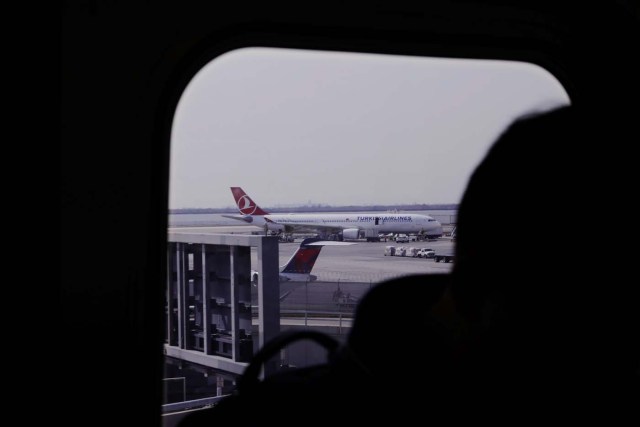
(290, 227)
(245, 218)
(329, 243)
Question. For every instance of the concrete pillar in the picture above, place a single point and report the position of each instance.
(206, 303)
(171, 322)
(181, 270)
(240, 279)
(268, 295)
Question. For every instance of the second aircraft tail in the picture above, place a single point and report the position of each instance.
(303, 260)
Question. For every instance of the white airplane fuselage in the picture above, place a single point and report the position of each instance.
(378, 222)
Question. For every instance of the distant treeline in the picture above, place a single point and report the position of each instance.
(324, 208)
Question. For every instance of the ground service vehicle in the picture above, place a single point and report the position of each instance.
(425, 253)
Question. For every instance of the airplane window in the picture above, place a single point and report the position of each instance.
(370, 150)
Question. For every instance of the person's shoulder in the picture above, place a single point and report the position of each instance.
(558, 118)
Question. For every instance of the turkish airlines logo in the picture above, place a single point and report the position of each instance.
(246, 205)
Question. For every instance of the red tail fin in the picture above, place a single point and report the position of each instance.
(304, 258)
(246, 206)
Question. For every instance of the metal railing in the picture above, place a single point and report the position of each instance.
(191, 404)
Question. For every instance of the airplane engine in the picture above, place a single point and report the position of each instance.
(351, 233)
(275, 227)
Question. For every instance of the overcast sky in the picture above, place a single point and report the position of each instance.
(292, 127)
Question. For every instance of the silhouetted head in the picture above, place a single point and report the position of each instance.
(524, 204)
(534, 275)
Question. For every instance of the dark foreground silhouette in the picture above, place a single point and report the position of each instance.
(514, 333)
